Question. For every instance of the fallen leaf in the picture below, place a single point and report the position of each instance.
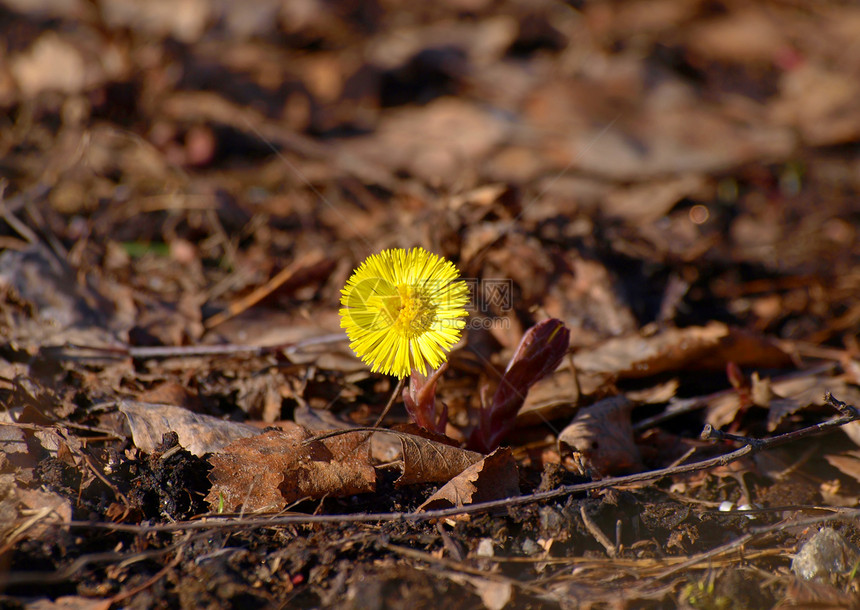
(696, 347)
(29, 513)
(588, 298)
(789, 395)
(428, 461)
(662, 392)
(746, 36)
(847, 463)
(270, 471)
(600, 439)
(63, 310)
(553, 397)
(493, 478)
(13, 444)
(820, 103)
(384, 448)
(52, 63)
(432, 141)
(198, 433)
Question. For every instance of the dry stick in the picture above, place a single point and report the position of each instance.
(187, 351)
(850, 414)
(154, 579)
(108, 434)
(262, 292)
(460, 568)
(397, 391)
(79, 564)
(98, 473)
(705, 556)
(595, 531)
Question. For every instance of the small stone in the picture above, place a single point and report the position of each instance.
(530, 547)
(552, 523)
(827, 553)
(485, 548)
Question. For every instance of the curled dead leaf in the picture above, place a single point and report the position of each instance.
(493, 478)
(428, 461)
(198, 433)
(600, 441)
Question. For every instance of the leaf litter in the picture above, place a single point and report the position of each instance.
(653, 204)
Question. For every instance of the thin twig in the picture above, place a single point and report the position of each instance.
(687, 405)
(737, 543)
(460, 567)
(155, 577)
(76, 566)
(113, 352)
(342, 431)
(237, 307)
(849, 414)
(401, 383)
(596, 532)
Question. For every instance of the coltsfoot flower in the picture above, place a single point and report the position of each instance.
(404, 310)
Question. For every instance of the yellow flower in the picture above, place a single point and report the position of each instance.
(403, 310)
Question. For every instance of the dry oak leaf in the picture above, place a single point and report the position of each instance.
(270, 471)
(429, 461)
(493, 478)
(600, 439)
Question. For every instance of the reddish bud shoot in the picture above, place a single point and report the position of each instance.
(539, 353)
(419, 397)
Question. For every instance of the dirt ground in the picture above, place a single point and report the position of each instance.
(186, 186)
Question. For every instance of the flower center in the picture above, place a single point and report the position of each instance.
(410, 311)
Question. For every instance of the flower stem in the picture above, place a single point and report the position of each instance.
(397, 391)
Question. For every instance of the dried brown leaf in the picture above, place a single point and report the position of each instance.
(198, 433)
(745, 36)
(587, 298)
(847, 463)
(662, 392)
(272, 470)
(384, 448)
(553, 397)
(600, 439)
(13, 444)
(29, 513)
(493, 478)
(63, 310)
(428, 461)
(432, 141)
(788, 396)
(709, 346)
